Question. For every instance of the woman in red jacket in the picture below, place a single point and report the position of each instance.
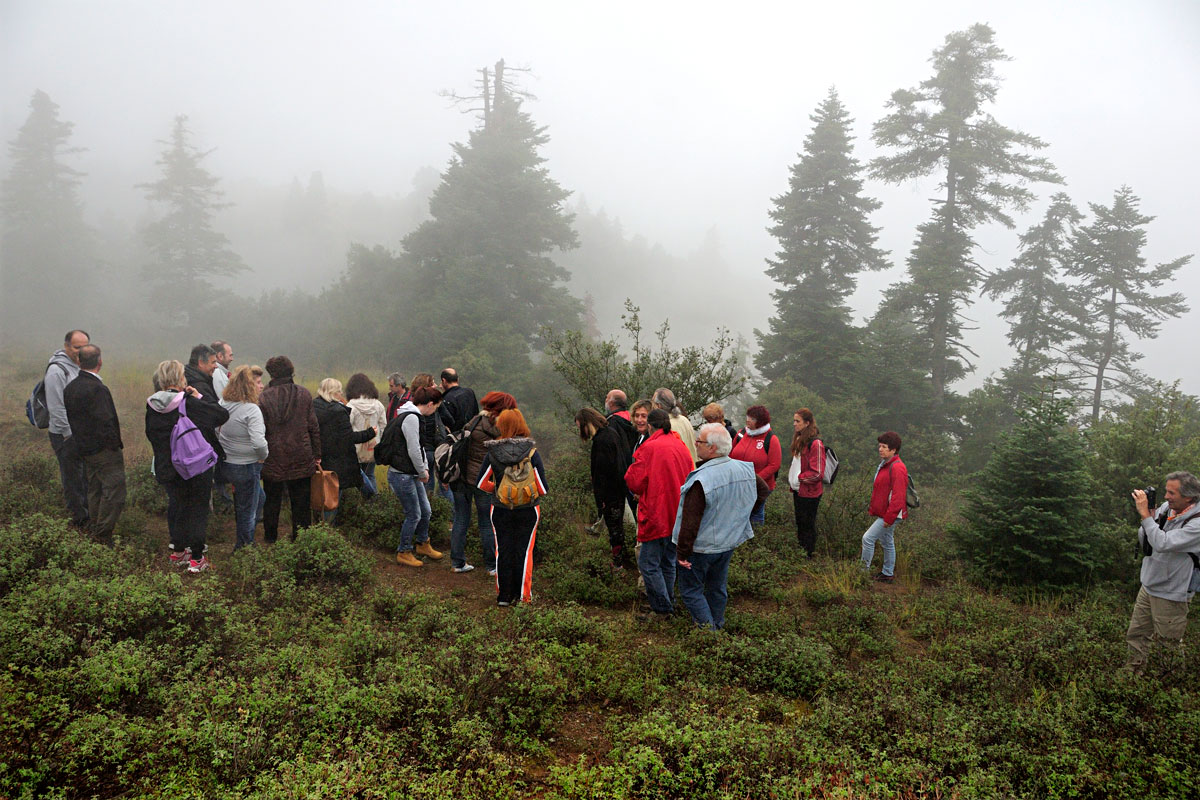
(660, 468)
(757, 445)
(806, 477)
(888, 494)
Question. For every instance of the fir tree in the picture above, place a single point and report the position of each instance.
(825, 240)
(187, 252)
(481, 270)
(1039, 305)
(1030, 516)
(47, 251)
(942, 127)
(1116, 295)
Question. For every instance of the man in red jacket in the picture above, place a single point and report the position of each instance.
(660, 467)
(888, 494)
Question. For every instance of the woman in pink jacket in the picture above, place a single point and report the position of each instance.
(806, 477)
(888, 494)
(757, 445)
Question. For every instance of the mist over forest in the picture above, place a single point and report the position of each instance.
(341, 207)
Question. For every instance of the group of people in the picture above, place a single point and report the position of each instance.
(696, 494)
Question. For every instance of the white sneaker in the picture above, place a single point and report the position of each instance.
(463, 568)
(492, 572)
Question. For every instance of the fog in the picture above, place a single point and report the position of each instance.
(679, 120)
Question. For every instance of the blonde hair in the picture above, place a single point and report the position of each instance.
(713, 412)
(242, 387)
(328, 388)
(169, 375)
(419, 380)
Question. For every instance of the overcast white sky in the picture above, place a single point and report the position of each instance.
(672, 116)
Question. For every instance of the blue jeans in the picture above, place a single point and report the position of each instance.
(703, 589)
(462, 523)
(417, 511)
(246, 488)
(878, 532)
(759, 512)
(656, 561)
(370, 487)
(435, 484)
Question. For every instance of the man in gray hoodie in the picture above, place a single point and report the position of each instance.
(62, 369)
(1170, 541)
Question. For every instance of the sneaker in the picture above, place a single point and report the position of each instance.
(462, 569)
(407, 559)
(503, 603)
(198, 566)
(884, 578)
(492, 572)
(180, 557)
(426, 549)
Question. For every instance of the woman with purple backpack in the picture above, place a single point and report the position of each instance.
(184, 462)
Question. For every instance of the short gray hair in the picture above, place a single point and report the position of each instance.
(664, 398)
(396, 379)
(718, 437)
(1189, 484)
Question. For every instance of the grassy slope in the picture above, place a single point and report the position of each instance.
(319, 669)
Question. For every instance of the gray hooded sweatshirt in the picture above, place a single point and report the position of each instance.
(59, 372)
(1167, 572)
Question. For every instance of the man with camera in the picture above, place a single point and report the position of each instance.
(1170, 541)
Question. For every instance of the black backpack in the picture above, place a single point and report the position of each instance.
(450, 457)
(36, 408)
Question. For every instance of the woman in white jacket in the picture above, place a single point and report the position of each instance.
(366, 411)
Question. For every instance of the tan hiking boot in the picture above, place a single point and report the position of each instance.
(426, 549)
(407, 559)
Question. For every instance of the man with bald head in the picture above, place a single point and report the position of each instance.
(97, 434)
(616, 408)
(62, 369)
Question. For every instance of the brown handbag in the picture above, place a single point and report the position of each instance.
(324, 490)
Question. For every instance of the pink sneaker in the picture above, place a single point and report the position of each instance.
(198, 566)
(180, 557)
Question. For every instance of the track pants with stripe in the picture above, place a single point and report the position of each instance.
(516, 533)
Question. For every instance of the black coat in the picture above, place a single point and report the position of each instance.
(610, 459)
(338, 440)
(92, 415)
(627, 430)
(202, 382)
(458, 407)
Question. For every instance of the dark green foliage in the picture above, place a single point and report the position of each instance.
(825, 240)
(188, 253)
(1030, 518)
(45, 242)
(1116, 297)
(942, 127)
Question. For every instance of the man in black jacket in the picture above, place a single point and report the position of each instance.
(459, 405)
(97, 432)
(199, 370)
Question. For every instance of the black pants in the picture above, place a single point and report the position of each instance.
(613, 511)
(72, 473)
(299, 493)
(806, 521)
(516, 535)
(187, 511)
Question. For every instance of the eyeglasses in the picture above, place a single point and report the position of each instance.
(703, 441)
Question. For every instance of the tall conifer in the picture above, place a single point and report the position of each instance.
(825, 240)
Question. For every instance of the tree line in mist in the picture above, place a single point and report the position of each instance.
(481, 280)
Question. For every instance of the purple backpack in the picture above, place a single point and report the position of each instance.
(191, 453)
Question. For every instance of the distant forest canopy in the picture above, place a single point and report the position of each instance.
(483, 265)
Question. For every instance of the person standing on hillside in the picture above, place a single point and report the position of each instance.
(616, 410)
(806, 477)
(294, 444)
(889, 491)
(202, 363)
(483, 429)
(757, 445)
(398, 394)
(665, 399)
(97, 434)
(1169, 538)
(338, 439)
(713, 519)
(609, 460)
(458, 402)
(244, 439)
(366, 411)
(220, 376)
(400, 448)
(659, 469)
(62, 368)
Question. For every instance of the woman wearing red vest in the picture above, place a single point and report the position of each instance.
(806, 477)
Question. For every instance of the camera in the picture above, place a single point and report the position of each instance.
(1151, 498)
